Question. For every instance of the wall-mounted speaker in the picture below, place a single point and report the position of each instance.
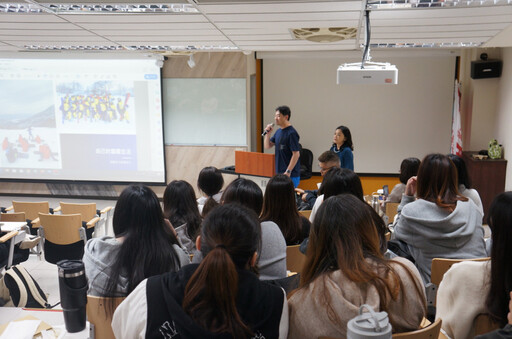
(484, 68)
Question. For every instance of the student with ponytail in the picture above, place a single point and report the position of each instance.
(218, 298)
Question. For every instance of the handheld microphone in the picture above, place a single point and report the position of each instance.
(265, 131)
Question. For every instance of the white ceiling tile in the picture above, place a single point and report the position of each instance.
(447, 22)
(446, 34)
(35, 25)
(59, 39)
(321, 16)
(443, 28)
(47, 32)
(135, 18)
(157, 26)
(29, 18)
(298, 7)
(450, 12)
(176, 43)
(287, 24)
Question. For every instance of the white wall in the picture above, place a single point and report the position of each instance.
(503, 127)
(388, 123)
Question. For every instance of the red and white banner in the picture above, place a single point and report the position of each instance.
(456, 145)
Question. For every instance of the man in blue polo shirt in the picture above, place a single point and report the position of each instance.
(286, 140)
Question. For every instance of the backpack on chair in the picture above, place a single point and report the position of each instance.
(23, 290)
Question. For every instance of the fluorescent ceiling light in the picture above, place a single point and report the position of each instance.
(73, 48)
(97, 8)
(129, 48)
(427, 45)
(183, 48)
(401, 4)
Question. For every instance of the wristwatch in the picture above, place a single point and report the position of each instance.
(288, 171)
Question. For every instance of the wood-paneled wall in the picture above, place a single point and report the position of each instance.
(208, 65)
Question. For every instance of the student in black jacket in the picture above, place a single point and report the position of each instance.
(219, 298)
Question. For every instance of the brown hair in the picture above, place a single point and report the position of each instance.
(229, 239)
(280, 207)
(343, 237)
(437, 181)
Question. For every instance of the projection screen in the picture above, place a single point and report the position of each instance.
(81, 120)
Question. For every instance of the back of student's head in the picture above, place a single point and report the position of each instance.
(229, 241)
(245, 192)
(146, 249)
(462, 171)
(408, 168)
(341, 180)
(437, 181)
(210, 182)
(180, 206)
(500, 222)
(280, 207)
(344, 237)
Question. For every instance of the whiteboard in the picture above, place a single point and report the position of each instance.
(205, 111)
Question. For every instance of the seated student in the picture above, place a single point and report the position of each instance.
(210, 182)
(326, 161)
(272, 259)
(219, 298)
(465, 182)
(144, 245)
(408, 168)
(344, 269)
(180, 208)
(473, 287)
(337, 181)
(279, 206)
(441, 223)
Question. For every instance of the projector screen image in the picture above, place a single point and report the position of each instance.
(81, 120)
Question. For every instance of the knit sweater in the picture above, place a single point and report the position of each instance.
(309, 314)
(461, 297)
(433, 232)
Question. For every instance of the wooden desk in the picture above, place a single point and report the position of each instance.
(54, 318)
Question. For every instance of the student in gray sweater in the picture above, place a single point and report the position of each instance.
(144, 246)
(440, 223)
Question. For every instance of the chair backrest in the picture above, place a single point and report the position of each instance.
(31, 209)
(294, 259)
(429, 332)
(88, 211)
(484, 324)
(391, 211)
(61, 229)
(16, 216)
(441, 265)
(305, 213)
(97, 315)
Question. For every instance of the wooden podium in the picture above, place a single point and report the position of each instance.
(254, 163)
(487, 177)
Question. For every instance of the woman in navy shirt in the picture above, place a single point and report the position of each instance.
(343, 147)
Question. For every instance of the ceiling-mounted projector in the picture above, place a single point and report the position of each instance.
(372, 73)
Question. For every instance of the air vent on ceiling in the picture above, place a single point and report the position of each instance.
(324, 34)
